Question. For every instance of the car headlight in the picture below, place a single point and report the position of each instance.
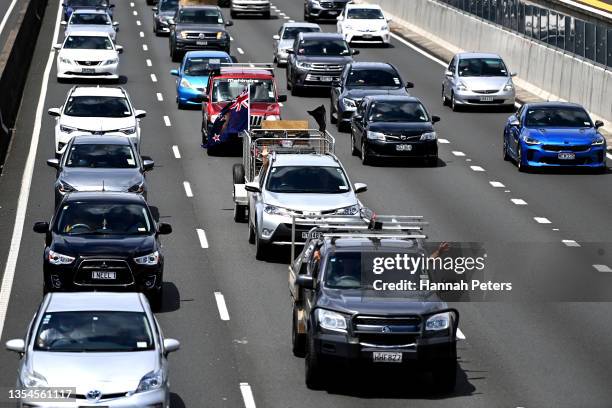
(531, 140)
(128, 130)
(151, 381)
(150, 259)
(111, 61)
(274, 210)
(384, 28)
(349, 103)
(137, 188)
(186, 84)
(272, 117)
(329, 320)
(64, 60)
(64, 187)
(376, 136)
(56, 258)
(429, 136)
(351, 210)
(220, 35)
(438, 322)
(598, 141)
(183, 35)
(303, 65)
(509, 86)
(67, 129)
(462, 86)
(31, 379)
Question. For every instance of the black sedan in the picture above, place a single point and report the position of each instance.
(387, 126)
(104, 241)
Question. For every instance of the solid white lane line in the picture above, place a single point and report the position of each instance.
(477, 168)
(144, 47)
(240, 50)
(160, 97)
(223, 313)
(9, 10)
(247, 395)
(496, 184)
(167, 121)
(542, 220)
(138, 22)
(177, 153)
(187, 187)
(419, 50)
(602, 268)
(518, 201)
(609, 155)
(443, 141)
(570, 243)
(460, 335)
(153, 78)
(202, 238)
(458, 153)
(141, 34)
(26, 182)
(149, 63)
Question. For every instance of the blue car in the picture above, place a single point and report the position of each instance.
(193, 75)
(554, 134)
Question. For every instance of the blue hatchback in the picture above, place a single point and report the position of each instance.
(554, 134)
(193, 75)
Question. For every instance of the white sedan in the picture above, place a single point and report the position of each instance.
(364, 23)
(88, 54)
(91, 20)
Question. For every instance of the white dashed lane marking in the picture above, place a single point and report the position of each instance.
(135, 12)
(477, 168)
(602, 268)
(240, 50)
(176, 152)
(144, 47)
(167, 121)
(223, 313)
(247, 395)
(141, 34)
(542, 220)
(160, 97)
(149, 63)
(153, 78)
(458, 153)
(570, 243)
(202, 238)
(460, 335)
(496, 184)
(443, 141)
(138, 22)
(187, 187)
(518, 201)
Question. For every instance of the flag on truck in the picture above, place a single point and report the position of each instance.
(232, 120)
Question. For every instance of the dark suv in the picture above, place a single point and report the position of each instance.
(198, 28)
(316, 60)
(342, 319)
(360, 79)
(323, 9)
(104, 241)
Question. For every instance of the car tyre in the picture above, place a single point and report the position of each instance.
(522, 167)
(315, 371)
(431, 161)
(332, 118)
(506, 156)
(240, 213)
(251, 234)
(354, 151)
(366, 159)
(238, 173)
(444, 98)
(181, 105)
(454, 106)
(174, 55)
(233, 14)
(261, 248)
(445, 376)
(298, 340)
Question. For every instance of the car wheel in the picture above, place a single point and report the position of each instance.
(315, 372)
(522, 167)
(454, 105)
(240, 213)
(261, 248)
(251, 233)
(341, 125)
(354, 151)
(233, 13)
(506, 156)
(298, 340)
(238, 173)
(174, 55)
(181, 105)
(288, 80)
(445, 376)
(295, 90)
(444, 98)
(365, 156)
(332, 118)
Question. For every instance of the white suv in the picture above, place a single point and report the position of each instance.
(96, 111)
(88, 54)
(364, 23)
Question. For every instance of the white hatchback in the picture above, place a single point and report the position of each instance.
(88, 54)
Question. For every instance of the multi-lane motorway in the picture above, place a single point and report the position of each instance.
(547, 226)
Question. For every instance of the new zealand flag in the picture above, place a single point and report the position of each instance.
(233, 119)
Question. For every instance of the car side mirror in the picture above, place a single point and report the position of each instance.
(448, 73)
(435, 119)
(252, 187)
(41, 227)
(336, 83)
(229, 23)
(409, 85)
(63, 23)
(360, 188)
(174, 72)
(513, 74)
(340, 18)
(389, 19)
(598, 124)
(53, 163)
(147, 165)
(155, 9)
(282, 98)
(171, 345)
(57, 47)
(171, 22)
(111, 6)
(115, 24)
(54, 112)
(16, 345)
(514, 122)
(305, 281)
(276, 37)
(140, 114)
(164, 229)
(355, 52)
(119, 48)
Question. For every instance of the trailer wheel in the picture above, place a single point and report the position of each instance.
(238, 173)
(240, 213)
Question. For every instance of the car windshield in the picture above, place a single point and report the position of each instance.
(323, 48)
(103, 218)
(307, 179)
(98, 106)
(94, 331)
(557, 117)
(364, 14)
(200, 16)
(87, 3)
(291, 33)
(373, 78)
(397, 111)
(477, 67)
(101, 156)
(88, 42)
(229, 89)
(90, 18)
(168, 5)
(198, 66)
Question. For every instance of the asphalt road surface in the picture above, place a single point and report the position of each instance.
(535, 352)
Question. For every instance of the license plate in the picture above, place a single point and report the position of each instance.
(313, 235)
(88, 70)
(367, 36)
(201, 42)
(567, 156)
(104, 275)
(325, 79)
(333, 13)
(486, 99)
(387, 357)
(403, 147)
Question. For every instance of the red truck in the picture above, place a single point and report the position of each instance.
(228, 81)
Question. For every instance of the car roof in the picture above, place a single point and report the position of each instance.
(383, 98)
(95, 301)
(90, 11)
(321, 36)
(98, 91)
(207, 53)
(373, 65)
(472, 54)
(199, 6)
(104, 139)
(362, 6)
(553, 104)
(306, 160)
(301, 24)
(88, 33)
(105, 196)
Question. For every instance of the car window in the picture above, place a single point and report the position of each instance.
(94, 331)
(373, 78)
(451, 66)
(90, 18)
(168, 5)
(229, 88)
(97, 106)
(87, 3)
(557, 117)
(291, 33)
(101, 156)
(364, 13)
(307, 179)
(103, 218)
(475, 67)
(397, 111)
(200, 16)
(323, 48)
(88, 42)
(199, 66)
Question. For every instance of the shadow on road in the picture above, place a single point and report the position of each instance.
(176, 401)
(172, 298)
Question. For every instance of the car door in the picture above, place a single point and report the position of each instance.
(336, 89)
(514, 132)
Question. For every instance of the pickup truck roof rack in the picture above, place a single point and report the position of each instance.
(216, 68)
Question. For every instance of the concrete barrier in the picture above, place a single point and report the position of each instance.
(542, 70)
(14, 64)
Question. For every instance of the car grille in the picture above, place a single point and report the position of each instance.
(386, 331)
(402, 138)
(486, 91)
(331, 4)
(326, 68)
(566, 148)
(89, 63)
(123, 272)
(196, 36)
(104, 396)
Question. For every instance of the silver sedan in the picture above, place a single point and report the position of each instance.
(477, 79)
(283, 41)
(106, 347)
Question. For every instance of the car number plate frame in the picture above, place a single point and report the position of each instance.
(566, 156)
(486, 99)
(387, 356)
(403, 147)
(325, 78)
(103, 275)
(316, 234)
(201, 42)
(88, 70)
